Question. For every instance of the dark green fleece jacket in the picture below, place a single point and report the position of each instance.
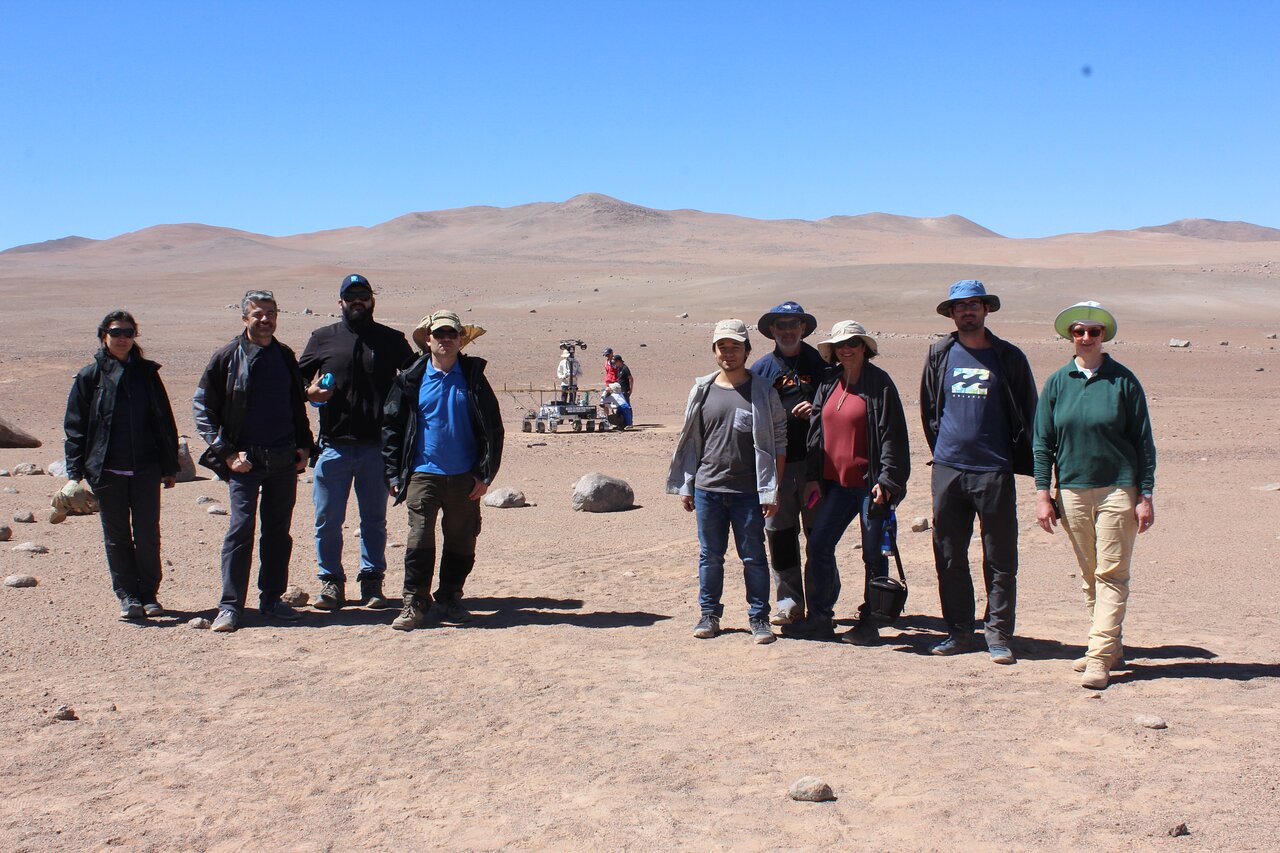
(1095, 431)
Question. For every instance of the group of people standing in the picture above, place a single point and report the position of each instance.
(424, 429)
(810, 439)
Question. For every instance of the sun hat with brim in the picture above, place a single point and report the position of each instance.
(843, 331)
(440, 319)
(782, 312)
(732, 330)
(969, 288)
(1089, 313)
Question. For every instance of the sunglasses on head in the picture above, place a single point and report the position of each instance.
(1086, 332)
(121, 333)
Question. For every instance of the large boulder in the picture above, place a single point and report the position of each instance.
(186, 467)
(598, 492)
(11, 436)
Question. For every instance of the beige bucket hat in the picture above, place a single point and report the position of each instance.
(843, 331)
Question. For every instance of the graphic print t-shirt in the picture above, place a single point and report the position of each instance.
(728, 446)
(974, 432)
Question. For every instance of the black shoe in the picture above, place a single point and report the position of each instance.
(761, 633)
(708, 626)
(954, 644)
(131, 608)
(279, 610)
(371, 593)
(451, 611)
(810, 628)
(333, 596)
(865, 633)
(153, 608)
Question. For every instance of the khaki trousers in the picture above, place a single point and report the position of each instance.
(1102, 528)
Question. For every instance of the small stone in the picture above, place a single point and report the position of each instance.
(682, 316)
(57, 468)
(204, 499)
(10, 490)
(199, 623)
(1271, 337)
(1179, 343)
(214, 509)
(31, 548)
(65, 712)
(295, 596)
(536, 444)
(504, 498)
(27, 469)
(1179, 830)
(1270, 487)
(628, 574)
(19, 581)
(4, 472)
(1224, 343)
(186, 467)
(307, 311)
(1150, 721)
(810, 789)
(24, 517)
(1258, 369)
(533, 310)
(395, 544)
(308, 479)
(168, 562)
(6, 533)
(919, 524)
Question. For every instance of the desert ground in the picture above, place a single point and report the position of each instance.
(577, 712)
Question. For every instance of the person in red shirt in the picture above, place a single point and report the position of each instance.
(610, 372)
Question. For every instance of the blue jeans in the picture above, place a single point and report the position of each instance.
(717, 512)
(840, 506)
(337, 467)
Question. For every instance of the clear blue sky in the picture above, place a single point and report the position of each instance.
(291, 117)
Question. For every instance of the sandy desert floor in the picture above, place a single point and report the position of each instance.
(577, 712)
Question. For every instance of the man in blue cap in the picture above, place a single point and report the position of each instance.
(978, 403)
(794, 368)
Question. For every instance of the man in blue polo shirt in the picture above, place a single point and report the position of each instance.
(442, 443)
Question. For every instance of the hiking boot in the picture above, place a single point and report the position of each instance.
(1096, 675)
(226, 621)
(371, 593)
(412, 615)
(450, 610)
(1001, 654)
(708, 626)
(810, 628)
(865, 633)
(761, 633)
(1079, 664)
(130, 608)
(954, 644)
(153, 608)
(332, 596)
(279, 610)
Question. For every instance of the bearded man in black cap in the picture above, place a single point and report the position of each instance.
(363, 357)
(795, 370)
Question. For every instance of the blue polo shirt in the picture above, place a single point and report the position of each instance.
(446, 443)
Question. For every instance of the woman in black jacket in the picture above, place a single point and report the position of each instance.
(122, 438)
(859, 460)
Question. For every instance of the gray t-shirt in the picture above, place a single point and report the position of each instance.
(728, 447)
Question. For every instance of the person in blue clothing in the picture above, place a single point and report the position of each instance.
(795, 369)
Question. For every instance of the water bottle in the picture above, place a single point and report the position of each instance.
(890, 527)
(326, 382)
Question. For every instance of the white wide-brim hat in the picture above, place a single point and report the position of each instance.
(1086, 312)
(843, 331)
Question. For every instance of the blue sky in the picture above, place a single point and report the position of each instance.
(291, 117)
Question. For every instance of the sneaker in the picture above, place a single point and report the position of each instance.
(412, 616)
(131, 609)
(761, 633)
(788, 611)
(279, 610)
(332, 596)
(226, 621)
(865, 633)
(371, 593)
(1001, 655)
(810, 628)
(954, 644)
(450, 610)
(1079, 664)
(153, 608)
(708, 626)
(1096, 675)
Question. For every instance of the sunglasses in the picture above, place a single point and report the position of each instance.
(121, 333)
(358, 296)
(444, 332)
(1079, 332)
(852, 343)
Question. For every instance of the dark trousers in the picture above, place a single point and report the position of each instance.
(129, 508)
(272, 496)
(840, 507)
(957, 497)
(430, 496)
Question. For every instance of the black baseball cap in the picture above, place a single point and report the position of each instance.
(353, 280)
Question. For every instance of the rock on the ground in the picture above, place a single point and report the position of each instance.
(1179, 343)
(11, 436)
(504, 498)
(810, 789)
(9, 490)
(57, 468)
(24, 517)
(186, 467)
(27, 469)
(65, 712)
(295, 596)
(682, 316)
(597, 492)
(1150, 721)
(31, 548)
(919, 525)
(204, 499)
(200, 623)
(215, 509)
(19, 581)
(1179, 830)
(1270, 487)
(6, 533)
(4, 472)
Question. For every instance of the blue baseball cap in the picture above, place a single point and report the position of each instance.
(779, 312)
(969, 288)
(353, 280)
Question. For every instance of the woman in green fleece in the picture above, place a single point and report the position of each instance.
(1092, 427)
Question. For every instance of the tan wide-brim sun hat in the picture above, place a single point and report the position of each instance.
(1090, 313)
(843, 331)
(438, 320)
